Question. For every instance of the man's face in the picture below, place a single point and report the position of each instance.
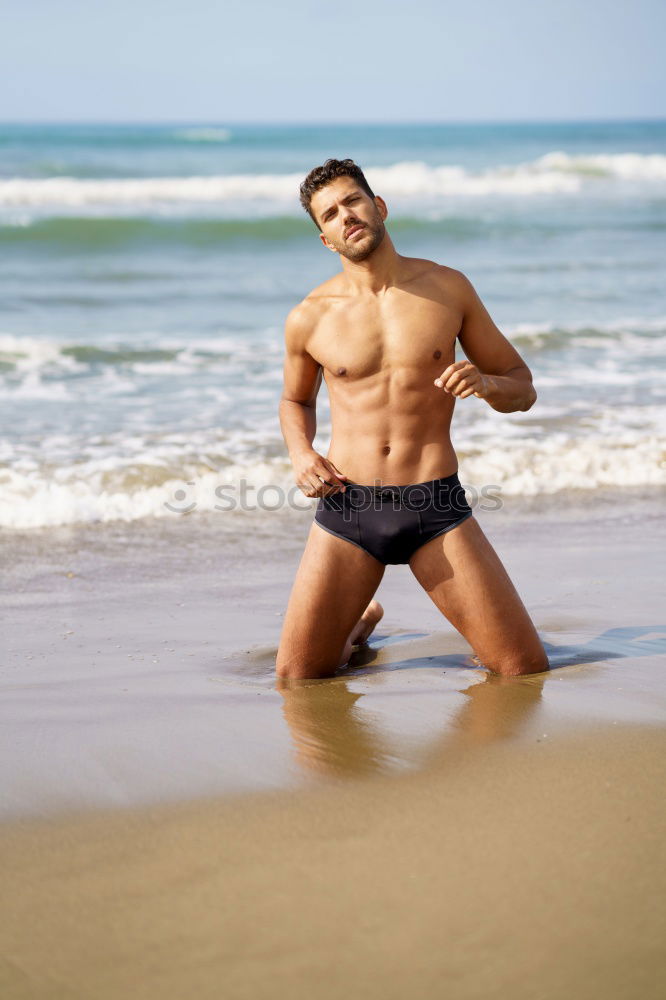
(352, 223)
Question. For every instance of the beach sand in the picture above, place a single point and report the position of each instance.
(174, 824)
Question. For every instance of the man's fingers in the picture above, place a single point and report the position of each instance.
(456, 366)
(326, 487)
(465, 377)
(320, 478)
(319, 486)
(338, 476)
(336, 471)
(461, 385)
(446, 375)
(457, 382)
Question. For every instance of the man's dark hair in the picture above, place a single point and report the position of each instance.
(319, 177)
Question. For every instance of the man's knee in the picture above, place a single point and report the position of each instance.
(294, 667)
(522, 662)
(292, 671)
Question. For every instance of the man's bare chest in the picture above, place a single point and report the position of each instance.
(359, 340)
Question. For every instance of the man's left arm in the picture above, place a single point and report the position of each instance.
(494, 370)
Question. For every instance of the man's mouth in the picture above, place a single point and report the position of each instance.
(354, 229)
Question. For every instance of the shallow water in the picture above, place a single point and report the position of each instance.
(150, 270)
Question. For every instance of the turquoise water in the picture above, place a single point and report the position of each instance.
(147, 272)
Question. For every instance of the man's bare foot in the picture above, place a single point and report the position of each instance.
(363, 629)
(367, 623)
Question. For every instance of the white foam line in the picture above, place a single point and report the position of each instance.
(554, 173)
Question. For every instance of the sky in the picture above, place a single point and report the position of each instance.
(313, 61)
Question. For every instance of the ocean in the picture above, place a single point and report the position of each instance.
(147, 271)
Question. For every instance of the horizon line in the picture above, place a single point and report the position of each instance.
(332, 122)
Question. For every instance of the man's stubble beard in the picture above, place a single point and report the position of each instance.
(377, 232)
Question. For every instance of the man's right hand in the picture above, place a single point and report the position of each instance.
(316, 476)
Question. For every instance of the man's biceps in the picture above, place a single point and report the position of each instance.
(493, 355)
(482, 338)
(301, 387)
(301, 366)
(296, 400)
(520, 371)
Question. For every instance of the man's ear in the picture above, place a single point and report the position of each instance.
(326, 243)
(382, 206)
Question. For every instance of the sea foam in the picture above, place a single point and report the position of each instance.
(554, 173)
(146, 478)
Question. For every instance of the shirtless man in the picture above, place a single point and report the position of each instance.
(382, 333)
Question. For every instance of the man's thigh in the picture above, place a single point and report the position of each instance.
(334, 584)
(465, 578)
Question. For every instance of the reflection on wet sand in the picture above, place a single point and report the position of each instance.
(329, 734)
(495, 710)
(333, 736)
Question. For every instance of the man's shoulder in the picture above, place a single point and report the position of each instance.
(432, 269)
(303, 318)
(448, 280)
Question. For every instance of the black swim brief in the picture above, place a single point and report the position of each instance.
(392, 522)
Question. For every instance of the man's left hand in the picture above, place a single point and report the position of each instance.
(462, 379)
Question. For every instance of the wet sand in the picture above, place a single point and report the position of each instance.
(491, 873)
(173, 823)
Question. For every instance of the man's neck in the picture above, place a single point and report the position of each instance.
(380, 271)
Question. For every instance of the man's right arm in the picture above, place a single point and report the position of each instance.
(298, 414)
